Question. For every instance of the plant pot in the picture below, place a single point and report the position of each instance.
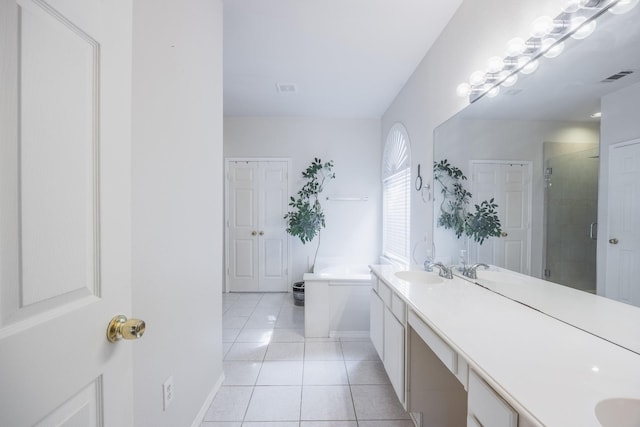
(298, 293)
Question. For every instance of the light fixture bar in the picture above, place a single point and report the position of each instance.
(548, 39)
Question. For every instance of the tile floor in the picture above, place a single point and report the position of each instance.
(274, 377)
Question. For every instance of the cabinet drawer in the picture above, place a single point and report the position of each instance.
(445, 353)
(399, 308)
(486, 407)
(385, 293)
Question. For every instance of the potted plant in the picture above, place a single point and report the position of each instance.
(306, 219)
(480, 224)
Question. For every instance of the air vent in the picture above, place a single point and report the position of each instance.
(287, 87)
(617, 76)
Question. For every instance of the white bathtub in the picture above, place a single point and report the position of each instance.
(337, 301)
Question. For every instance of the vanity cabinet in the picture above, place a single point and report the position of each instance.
(485, 408)
(387, 329)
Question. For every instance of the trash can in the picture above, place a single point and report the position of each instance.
(298, 293)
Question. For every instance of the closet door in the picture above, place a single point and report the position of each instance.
(257, 244)
(273, 253)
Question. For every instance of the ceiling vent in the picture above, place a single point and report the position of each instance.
(287, 87)
(617, 76)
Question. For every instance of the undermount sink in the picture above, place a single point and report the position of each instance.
(499, 277)
(417, 276)
(619, 412)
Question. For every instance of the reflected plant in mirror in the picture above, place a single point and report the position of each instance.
(454, 213)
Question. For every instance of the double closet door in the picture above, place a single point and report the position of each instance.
(257, 241)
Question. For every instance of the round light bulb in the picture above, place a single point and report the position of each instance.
(580, 29)
(495, 64)
(571, 6)
(542, 26)
(510, 81)
(623, 6)
(463, 90)
(493, 92)
(477, 78)
(515, 46)
(528, 65)
(550, 49)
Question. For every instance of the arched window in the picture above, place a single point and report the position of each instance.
(396, 195)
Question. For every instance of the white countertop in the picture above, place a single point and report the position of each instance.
(555, 372)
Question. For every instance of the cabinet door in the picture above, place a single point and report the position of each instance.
(376, 324)
(394, 352)
(487, 407)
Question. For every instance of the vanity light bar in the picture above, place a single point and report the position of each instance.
(577, 20)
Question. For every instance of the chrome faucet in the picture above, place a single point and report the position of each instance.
(444, 271)
(470, 272)
(428, 265)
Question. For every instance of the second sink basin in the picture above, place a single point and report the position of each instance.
(417, 276)
(619, 412)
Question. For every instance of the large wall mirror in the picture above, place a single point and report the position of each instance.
(538, 151)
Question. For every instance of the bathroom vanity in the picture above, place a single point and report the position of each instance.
(463, 355)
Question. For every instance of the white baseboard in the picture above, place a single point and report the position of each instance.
(207, 403)
(349, 334)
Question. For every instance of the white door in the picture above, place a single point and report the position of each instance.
(64, 212)
(509, 184)
(623, 247)
(257, 244)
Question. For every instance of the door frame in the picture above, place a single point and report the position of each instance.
(529, 165)
(227, 163)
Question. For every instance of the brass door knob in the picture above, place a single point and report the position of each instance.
(262, 233)
(254, 233)
(613, 241)
(122, 328)
(504, 234)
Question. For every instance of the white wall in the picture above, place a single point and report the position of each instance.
(353, 228)
(177, 205)
(619, 124)
(478, 30)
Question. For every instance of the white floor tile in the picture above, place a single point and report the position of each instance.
(271, 424)
(230, 404)
(221, 424)
(230, 335)
(281, 373)
(322, 351)
(325, 373)
(386, 423)
(285, 351)
(366, 372)
(246, 351)
(328, 424)
(255, 335)
(274, 403)
(325, 403)
(359, 350)
(241, 372)
(287, 335)
(233, 322)
(377, 402)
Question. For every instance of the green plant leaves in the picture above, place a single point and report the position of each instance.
(480, 224)
(306, 218)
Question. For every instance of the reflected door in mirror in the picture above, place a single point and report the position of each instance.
(509, 184)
